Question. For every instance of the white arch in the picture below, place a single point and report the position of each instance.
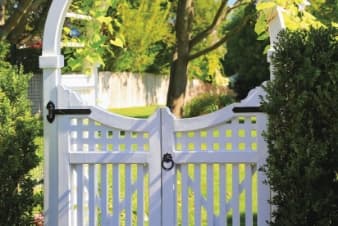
(51, 56)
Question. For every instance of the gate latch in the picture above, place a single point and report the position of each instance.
(52, 111)
(167, 162)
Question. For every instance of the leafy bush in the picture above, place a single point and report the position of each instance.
(244, 59)
(18, 129)
(302, 103)
(205, 104)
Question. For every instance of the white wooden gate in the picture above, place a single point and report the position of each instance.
(105, 169)
(114, 170)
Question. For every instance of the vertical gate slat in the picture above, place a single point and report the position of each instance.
(197, 191)
(116, 194)
(248, 196)
(128, 194)
(140, 195)
(104, 211)
(185, 195)
(92, 195)
(73, 195)
(222, 195)
(210, 196)
(235, 195)
(79, 194)
(263, 189)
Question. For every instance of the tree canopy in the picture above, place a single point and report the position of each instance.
(22, 19)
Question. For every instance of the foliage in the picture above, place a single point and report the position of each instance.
(97, 35)
(23, 20)
(207, 67)
(18, 129)
(302, 103)
(145, 25)
(205, 104)
(245, 59)
(325, 11)
(294, 14)
(192, 43)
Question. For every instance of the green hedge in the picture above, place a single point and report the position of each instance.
(18, 129)
(205, 104)
(302, 134)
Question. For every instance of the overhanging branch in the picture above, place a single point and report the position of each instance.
(220, 41)
(221, 13)
(14, 35)
(15, 19)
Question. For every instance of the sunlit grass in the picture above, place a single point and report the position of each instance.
(136, 112)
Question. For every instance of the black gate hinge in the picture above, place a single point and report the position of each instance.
(52, 111)
(247, 109)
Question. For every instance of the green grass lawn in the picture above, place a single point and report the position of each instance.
(136, 112)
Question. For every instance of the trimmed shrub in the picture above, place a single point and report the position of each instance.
(302, 104)
(205, 104)
(18, 129)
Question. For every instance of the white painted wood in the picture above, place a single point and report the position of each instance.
(104, 195)
(276, 24)
(79, 195)
(248, 196)
(264, 213)
(197, 194)
(235, 195)
(64, 184)
(50, 151)
(154, 170)
(116, 194)
(185, 194)
(51, 61)
(168, 177)
(210, 194)
(128, 194)
(223, 195)
(92, 195)
(140, 195)
(108, 157)
(216, 157)
(53, 27)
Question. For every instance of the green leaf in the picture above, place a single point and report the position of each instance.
(117, 42)
(261, 25)
(265, 5)
(266, 49)
(263, 36)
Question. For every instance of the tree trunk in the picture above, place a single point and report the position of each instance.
(179, 65)
(177, 85)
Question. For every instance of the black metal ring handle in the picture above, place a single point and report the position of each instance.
(167, 158)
